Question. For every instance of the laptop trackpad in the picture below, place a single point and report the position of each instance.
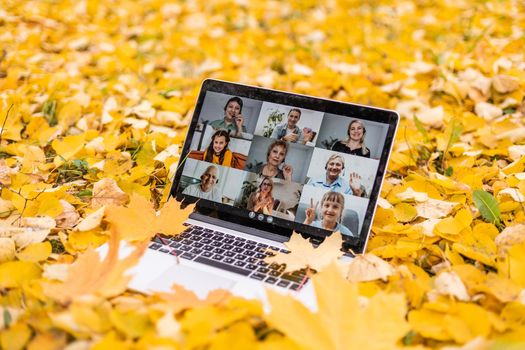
(198, 281)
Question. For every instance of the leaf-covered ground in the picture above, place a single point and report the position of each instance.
(95, 97)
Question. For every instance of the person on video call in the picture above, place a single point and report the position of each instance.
(275, 156)
(206, 188)
(217, 151)
(334, 182)
(331, 213)
(355, 143)
(290, 132)
(261, 201)
(233, 119)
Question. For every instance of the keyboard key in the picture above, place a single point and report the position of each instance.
(239, 263)
(155, 246)
(208, 230)
(186, 248)
(229, 254)
(294, 286)
(283, 283)
(249, 253)
(217, 237)
(262, 245)
(251, 266)
(249, 246)
(206, 240)
(197, 245)
(189, 256)
(227, 246)
(164, 249)
(227, 240)
(251, 260)
(290, 277)
(238, 243)
(207, 234)
(263, 270)
(270, 280)
(208, 248)
(238, 250)
(262, 263)
(216, 244)
(174, 244)
(240, 257)
(218, 257)
(228, 236)
(258, 276)
(218, 250)
(175, 252)
(196, 251)
(207, 254)
(229, 260)
(222, 265)
(260, 256)
(275, 273)
(240, 239)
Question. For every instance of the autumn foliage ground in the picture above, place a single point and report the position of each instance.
(95, 98)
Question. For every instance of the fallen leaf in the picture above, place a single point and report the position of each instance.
(434, 208)
(7, 249)
(92, 220)
(107, 192)
(69, 216)
(138, 221)
(505, 83)
(91, 275)
(330, 327)
(368, 267)
(302, 253)
(449, 283)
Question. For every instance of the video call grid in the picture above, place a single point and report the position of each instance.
(258, 139)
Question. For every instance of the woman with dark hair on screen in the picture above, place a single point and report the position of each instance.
(261, 201)
(331, 209)
(217, 151)
(355, 143)
(233, 119)
(275, 156)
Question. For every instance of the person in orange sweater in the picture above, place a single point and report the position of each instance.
(217, 151)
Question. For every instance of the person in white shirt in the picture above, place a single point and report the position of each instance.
(290, 132)
(206, 188)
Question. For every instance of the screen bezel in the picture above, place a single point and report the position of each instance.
(240, 216)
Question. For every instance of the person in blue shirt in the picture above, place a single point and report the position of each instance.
(331, 214)
(333, 181)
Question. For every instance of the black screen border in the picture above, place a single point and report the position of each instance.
(343, 109)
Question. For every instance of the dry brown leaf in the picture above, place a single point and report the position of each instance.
(7, 249)
(69, 216)
(510, 236)
(89, 275)
(303, 254)
(138, 221)
(505, 83)
(28, 230)
(368, 267)
(450, 284)
(181, 298)
(434, 208)
(107, 192)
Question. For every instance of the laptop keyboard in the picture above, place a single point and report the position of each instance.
(231, 253)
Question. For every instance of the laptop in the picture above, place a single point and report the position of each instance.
(261, 164)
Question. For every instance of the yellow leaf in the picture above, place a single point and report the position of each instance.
(16, 273)
(16, 337)
(69, 114)
(330, 327)
(35, 252)
(91, 275)
(302, 254)
(404, 212)
(107, 192)
(138, 222)
(132, 323)
(68, 147)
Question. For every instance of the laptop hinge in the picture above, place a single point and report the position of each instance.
(236, 227)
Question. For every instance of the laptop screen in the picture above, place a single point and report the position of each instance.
(281, 162)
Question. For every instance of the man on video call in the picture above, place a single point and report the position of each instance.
(290, 132)
(206, 188)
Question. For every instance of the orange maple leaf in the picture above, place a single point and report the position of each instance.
(91, 275)
(181, 298)
(139, 221)
(303, 254)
